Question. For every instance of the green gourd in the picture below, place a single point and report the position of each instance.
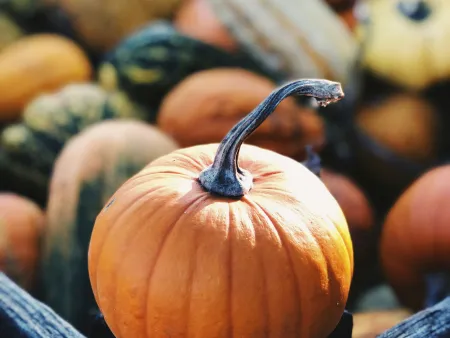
(149, 63)
(88, 171)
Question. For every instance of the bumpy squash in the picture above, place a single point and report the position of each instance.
(29, 149)
(88, 171)
(149, 63)
(10, 30)
(36, 64)
(215, 100)
(21, 227)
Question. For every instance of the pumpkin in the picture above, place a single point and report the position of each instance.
(415, 238)
(29, 148)
(90, 168)
(196, 19)
(224, 240)
(358, 213)
(215, 100)
(149, 63)
(103, 24)
(11, 31)
(404, 123)
(21, 227)
(37, 64)
(373, 323)
(422, 26)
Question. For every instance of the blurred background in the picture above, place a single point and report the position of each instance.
(92, 90)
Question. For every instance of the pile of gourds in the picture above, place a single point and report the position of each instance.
(115, 195)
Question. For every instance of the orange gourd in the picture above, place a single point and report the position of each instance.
(404, 123)
(416, 236)
(37, 64)
(224, 240)
(196, 19)
(357, 210)
(215, 100)
(21, 225)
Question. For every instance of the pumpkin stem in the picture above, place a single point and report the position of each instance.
(312, 162)
(224, 177)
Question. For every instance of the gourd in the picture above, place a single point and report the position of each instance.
(415, 238)
(88, 171)
(29, 149)
(150, 62)
(404, 123)
(11, 31)
(422, 26)
(37, 64)
(196, 19)
(358, 213)
(224, 240)
(299, 39)
(214, 100)
(103, 24)
(21, 227)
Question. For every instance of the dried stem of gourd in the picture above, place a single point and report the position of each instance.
(224, 177)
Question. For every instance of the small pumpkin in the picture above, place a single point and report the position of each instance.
(196, 19)
(11, 31)
(224, 240)
(21, 227)
(37, 64)
(29, 149)
(373, 323)
(149, 63)
(422, 26)
(404, 123)
(416, 237)
(358, 212)
(103, 24)
(90, 168)
(215, 100)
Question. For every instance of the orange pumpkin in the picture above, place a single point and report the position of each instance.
(215, 100)
(196, 19)
(21, 225)
(224, 240)
(37, 64)
(404, 123)
(357, 210)
(416, 236)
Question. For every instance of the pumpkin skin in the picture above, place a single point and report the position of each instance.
(404, 123)
(415, 238)
(196, 19)
(11, 31)
(37, 64)
(215, 100)
(149, 63)
(421, 58)
(29, 149)
(358, 213)
(103, 24)
(88, 171)
(21, 227)
(214, 266)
